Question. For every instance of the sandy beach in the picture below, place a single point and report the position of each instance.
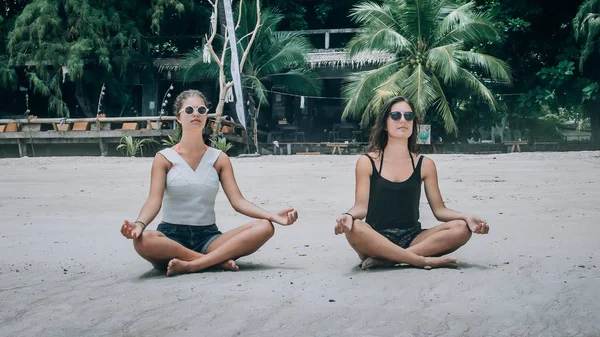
(66, 270)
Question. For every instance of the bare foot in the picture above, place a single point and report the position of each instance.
(176, 266)
(441, 262)
(370, 262)
(229, 265)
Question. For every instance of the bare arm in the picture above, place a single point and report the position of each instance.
(434, 197)
(243, 206)
(152, 206)
(158, 181)
(363, 173)
(363, 185)
(439, 209)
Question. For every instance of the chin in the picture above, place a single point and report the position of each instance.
(400, 135)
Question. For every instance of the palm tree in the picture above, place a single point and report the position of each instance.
(435, 45)
(587, 30)
(275, 59)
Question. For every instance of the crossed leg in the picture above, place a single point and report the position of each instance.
(374, 249)
(158, 249)
(234, 244)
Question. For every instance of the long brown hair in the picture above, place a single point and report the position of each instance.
(379, 134)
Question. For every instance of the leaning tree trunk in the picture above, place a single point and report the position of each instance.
(594, 112)
(255, 126)
(82, 99)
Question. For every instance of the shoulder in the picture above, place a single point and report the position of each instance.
(222, 160)
(428, 166)
(161, 159)
(363, 164)
(373, 155)
(162, 155)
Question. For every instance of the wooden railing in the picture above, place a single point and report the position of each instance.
(23, 131)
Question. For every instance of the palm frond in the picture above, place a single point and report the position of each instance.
(479, 30)
(586, 25)
(372, 14)
(196, 68)
(443, 108)
(453, 16)
(443, 62)
(381, 39)
(360, 88)
(255, 88)
(286, 50)
(298, 81)
(497, 69)
(420, 91)
(479, 89)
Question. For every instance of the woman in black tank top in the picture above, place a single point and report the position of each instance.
(388, 192)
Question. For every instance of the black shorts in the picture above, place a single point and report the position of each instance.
(402, 237)
(196, 238)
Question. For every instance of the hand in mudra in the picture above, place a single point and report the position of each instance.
(343, 224)
(286, 217)
(131, 230)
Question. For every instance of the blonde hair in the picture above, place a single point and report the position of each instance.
(185, 95)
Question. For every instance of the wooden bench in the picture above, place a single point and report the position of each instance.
(153, 125)
(553, 145)
(11, 127)
(2, 127)
(337, 146)
(81, 126)
(130, 126)
(516, 145)
(64, 127)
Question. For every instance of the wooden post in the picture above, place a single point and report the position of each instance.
(22, 147)
(103, 149)
(289, 149)
(326, 40)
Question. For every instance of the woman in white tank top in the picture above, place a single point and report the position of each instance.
(185, 181)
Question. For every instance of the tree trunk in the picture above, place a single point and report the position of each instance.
(82, 99)
(594, 112)
(255, 127)
(221, 18)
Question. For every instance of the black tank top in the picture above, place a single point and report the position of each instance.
(394, 204)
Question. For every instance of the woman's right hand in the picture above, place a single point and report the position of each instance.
(131, 230)
(343, 224)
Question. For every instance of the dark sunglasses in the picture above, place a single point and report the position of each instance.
(397, 115)
(190, 110)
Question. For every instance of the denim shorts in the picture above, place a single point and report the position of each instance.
(196, 238)
(402, 237)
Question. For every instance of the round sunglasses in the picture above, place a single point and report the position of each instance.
(202, 110)
(397, 115)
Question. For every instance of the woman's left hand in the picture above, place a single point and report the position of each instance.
(477, 225)
(286, 217)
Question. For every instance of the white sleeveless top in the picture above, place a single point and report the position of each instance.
(190, 195)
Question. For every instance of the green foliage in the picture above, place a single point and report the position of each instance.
(434, 44)
(590, 91)
(164, 49)
(174, 138)
(275, 58)
(131, 147)
(587, 29)
(221, 144)
(63, 39)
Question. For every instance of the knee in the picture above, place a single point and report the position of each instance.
(266, 227)
(461, 228)
(142, 243)
(358, 229)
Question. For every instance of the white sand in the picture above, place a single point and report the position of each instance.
(66, 271)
